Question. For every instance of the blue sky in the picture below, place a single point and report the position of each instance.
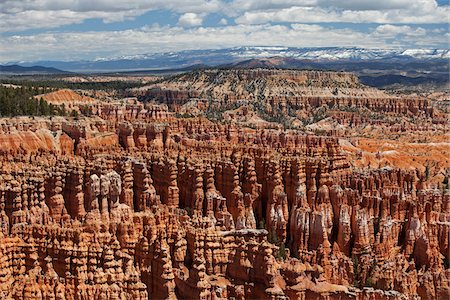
(85, 29)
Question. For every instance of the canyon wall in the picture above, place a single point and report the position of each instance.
(132, 201)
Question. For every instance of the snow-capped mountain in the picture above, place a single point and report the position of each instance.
(339, 53)
(216, 57)
(329, 53)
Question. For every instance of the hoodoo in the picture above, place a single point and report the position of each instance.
(267, 186)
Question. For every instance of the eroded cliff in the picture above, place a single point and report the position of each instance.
(135, 202)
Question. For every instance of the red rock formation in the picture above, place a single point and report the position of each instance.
(129, 204)
(300, 90)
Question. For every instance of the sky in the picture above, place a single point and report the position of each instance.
(33, 30)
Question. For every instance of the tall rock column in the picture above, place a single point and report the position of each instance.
(199, 195)
(126, 171)
(115, 189)
(163, 284)
(4, 219)
(104, 195)
(56, 200)
(252, 194)
(93, 216)
(277, 207)
(172, 190)
(18, 215)
(73, 193)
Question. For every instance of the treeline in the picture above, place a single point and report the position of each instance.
(20, 101)
(60, 84)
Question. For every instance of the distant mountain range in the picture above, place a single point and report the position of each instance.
(376, 67)
(217, 57)
(16, 69)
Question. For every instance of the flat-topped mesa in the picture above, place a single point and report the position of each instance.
(241, 77)
(279, 89)
(232, 85)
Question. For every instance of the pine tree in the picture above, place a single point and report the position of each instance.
(44, 108)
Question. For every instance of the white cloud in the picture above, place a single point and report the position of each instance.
(41, 14)
(181, 6)
(34, 14)
(258, 5)
(237, 7)
(89, 45)
(307, 27)
(436, 15)
(190, 20)
(302, 25)
(54, 19)
(389, 30)
(223, 21)
(370, 4)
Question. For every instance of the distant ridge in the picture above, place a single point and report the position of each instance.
(275, 63)
(16, 69)
(217, 57)
(161, 71)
